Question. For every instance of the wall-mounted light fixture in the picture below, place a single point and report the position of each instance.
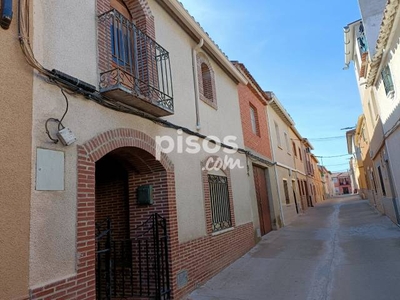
(6, 13)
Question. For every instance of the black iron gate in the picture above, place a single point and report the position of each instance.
(137, 267)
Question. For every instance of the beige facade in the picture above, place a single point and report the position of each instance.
(15, 140)
(288, 167)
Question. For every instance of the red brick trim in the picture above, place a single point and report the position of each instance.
(83, 285)
(202, 258)
(206, 189)
(140, 11)
(208, 96)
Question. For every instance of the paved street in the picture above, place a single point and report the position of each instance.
(341, 249)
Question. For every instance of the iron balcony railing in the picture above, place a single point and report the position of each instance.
(132, 61)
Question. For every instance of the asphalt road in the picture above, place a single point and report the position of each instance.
(340, 250)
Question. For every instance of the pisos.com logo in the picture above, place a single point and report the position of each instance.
(194, 145)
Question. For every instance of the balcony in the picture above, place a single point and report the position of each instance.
(134, 69)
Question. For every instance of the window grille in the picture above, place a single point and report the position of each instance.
(387, 80)
(220, 205)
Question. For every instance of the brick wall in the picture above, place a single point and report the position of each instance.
(261, 142)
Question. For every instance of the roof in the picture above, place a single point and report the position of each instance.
(384, 38)
(177, 11)
(360, 122)
(349, 137)
(315, 158)
(262, 96)
(349, 40)
(307, 143)
(279, 109)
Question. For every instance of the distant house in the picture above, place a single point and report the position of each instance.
(342, 183)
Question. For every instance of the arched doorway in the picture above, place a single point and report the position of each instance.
(124, 200)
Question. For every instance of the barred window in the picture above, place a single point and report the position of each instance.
(220, 205)
(387, 80)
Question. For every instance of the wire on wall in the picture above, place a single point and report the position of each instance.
(67, 87)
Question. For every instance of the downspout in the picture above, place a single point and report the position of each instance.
(196, 82)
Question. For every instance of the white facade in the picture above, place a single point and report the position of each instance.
(379, 98)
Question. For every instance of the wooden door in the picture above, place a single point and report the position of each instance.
(264, 211)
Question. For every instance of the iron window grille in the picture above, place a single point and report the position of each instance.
(387, 80)
(220, 204)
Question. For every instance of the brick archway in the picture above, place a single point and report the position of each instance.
(88, 154)
(140, 11)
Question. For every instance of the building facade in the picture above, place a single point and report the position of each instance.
(253, 102)
(284, 175)
(371, 43)
(122, 148)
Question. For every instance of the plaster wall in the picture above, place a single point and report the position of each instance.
(53, 218)
(389, 106)
(298, 159)
(392, 144)
(288, 210)
(15, 161)
(282, 152)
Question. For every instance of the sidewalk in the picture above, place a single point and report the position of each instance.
(341, 249)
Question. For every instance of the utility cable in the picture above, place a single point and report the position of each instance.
(333, 156)
(96, 96)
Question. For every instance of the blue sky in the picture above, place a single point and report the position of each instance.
(295, 49)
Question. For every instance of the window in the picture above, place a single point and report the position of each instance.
(373, 181)
(206, 80)
(286, 141)
(254, 120)
(220, 204)
(286, 189)
(294, 149)
(278, 137)
(300, 190)
(387, 80)
(121, 42)
(373, 100)
(381, 181)
(300, 155)
(207, 86)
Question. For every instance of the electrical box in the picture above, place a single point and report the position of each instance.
(49, 170)
(145, 194)
(66, 136)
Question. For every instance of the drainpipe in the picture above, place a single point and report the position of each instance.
(196, 82)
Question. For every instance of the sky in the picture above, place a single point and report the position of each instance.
(295, 49)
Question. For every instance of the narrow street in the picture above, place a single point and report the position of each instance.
(342, 250)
